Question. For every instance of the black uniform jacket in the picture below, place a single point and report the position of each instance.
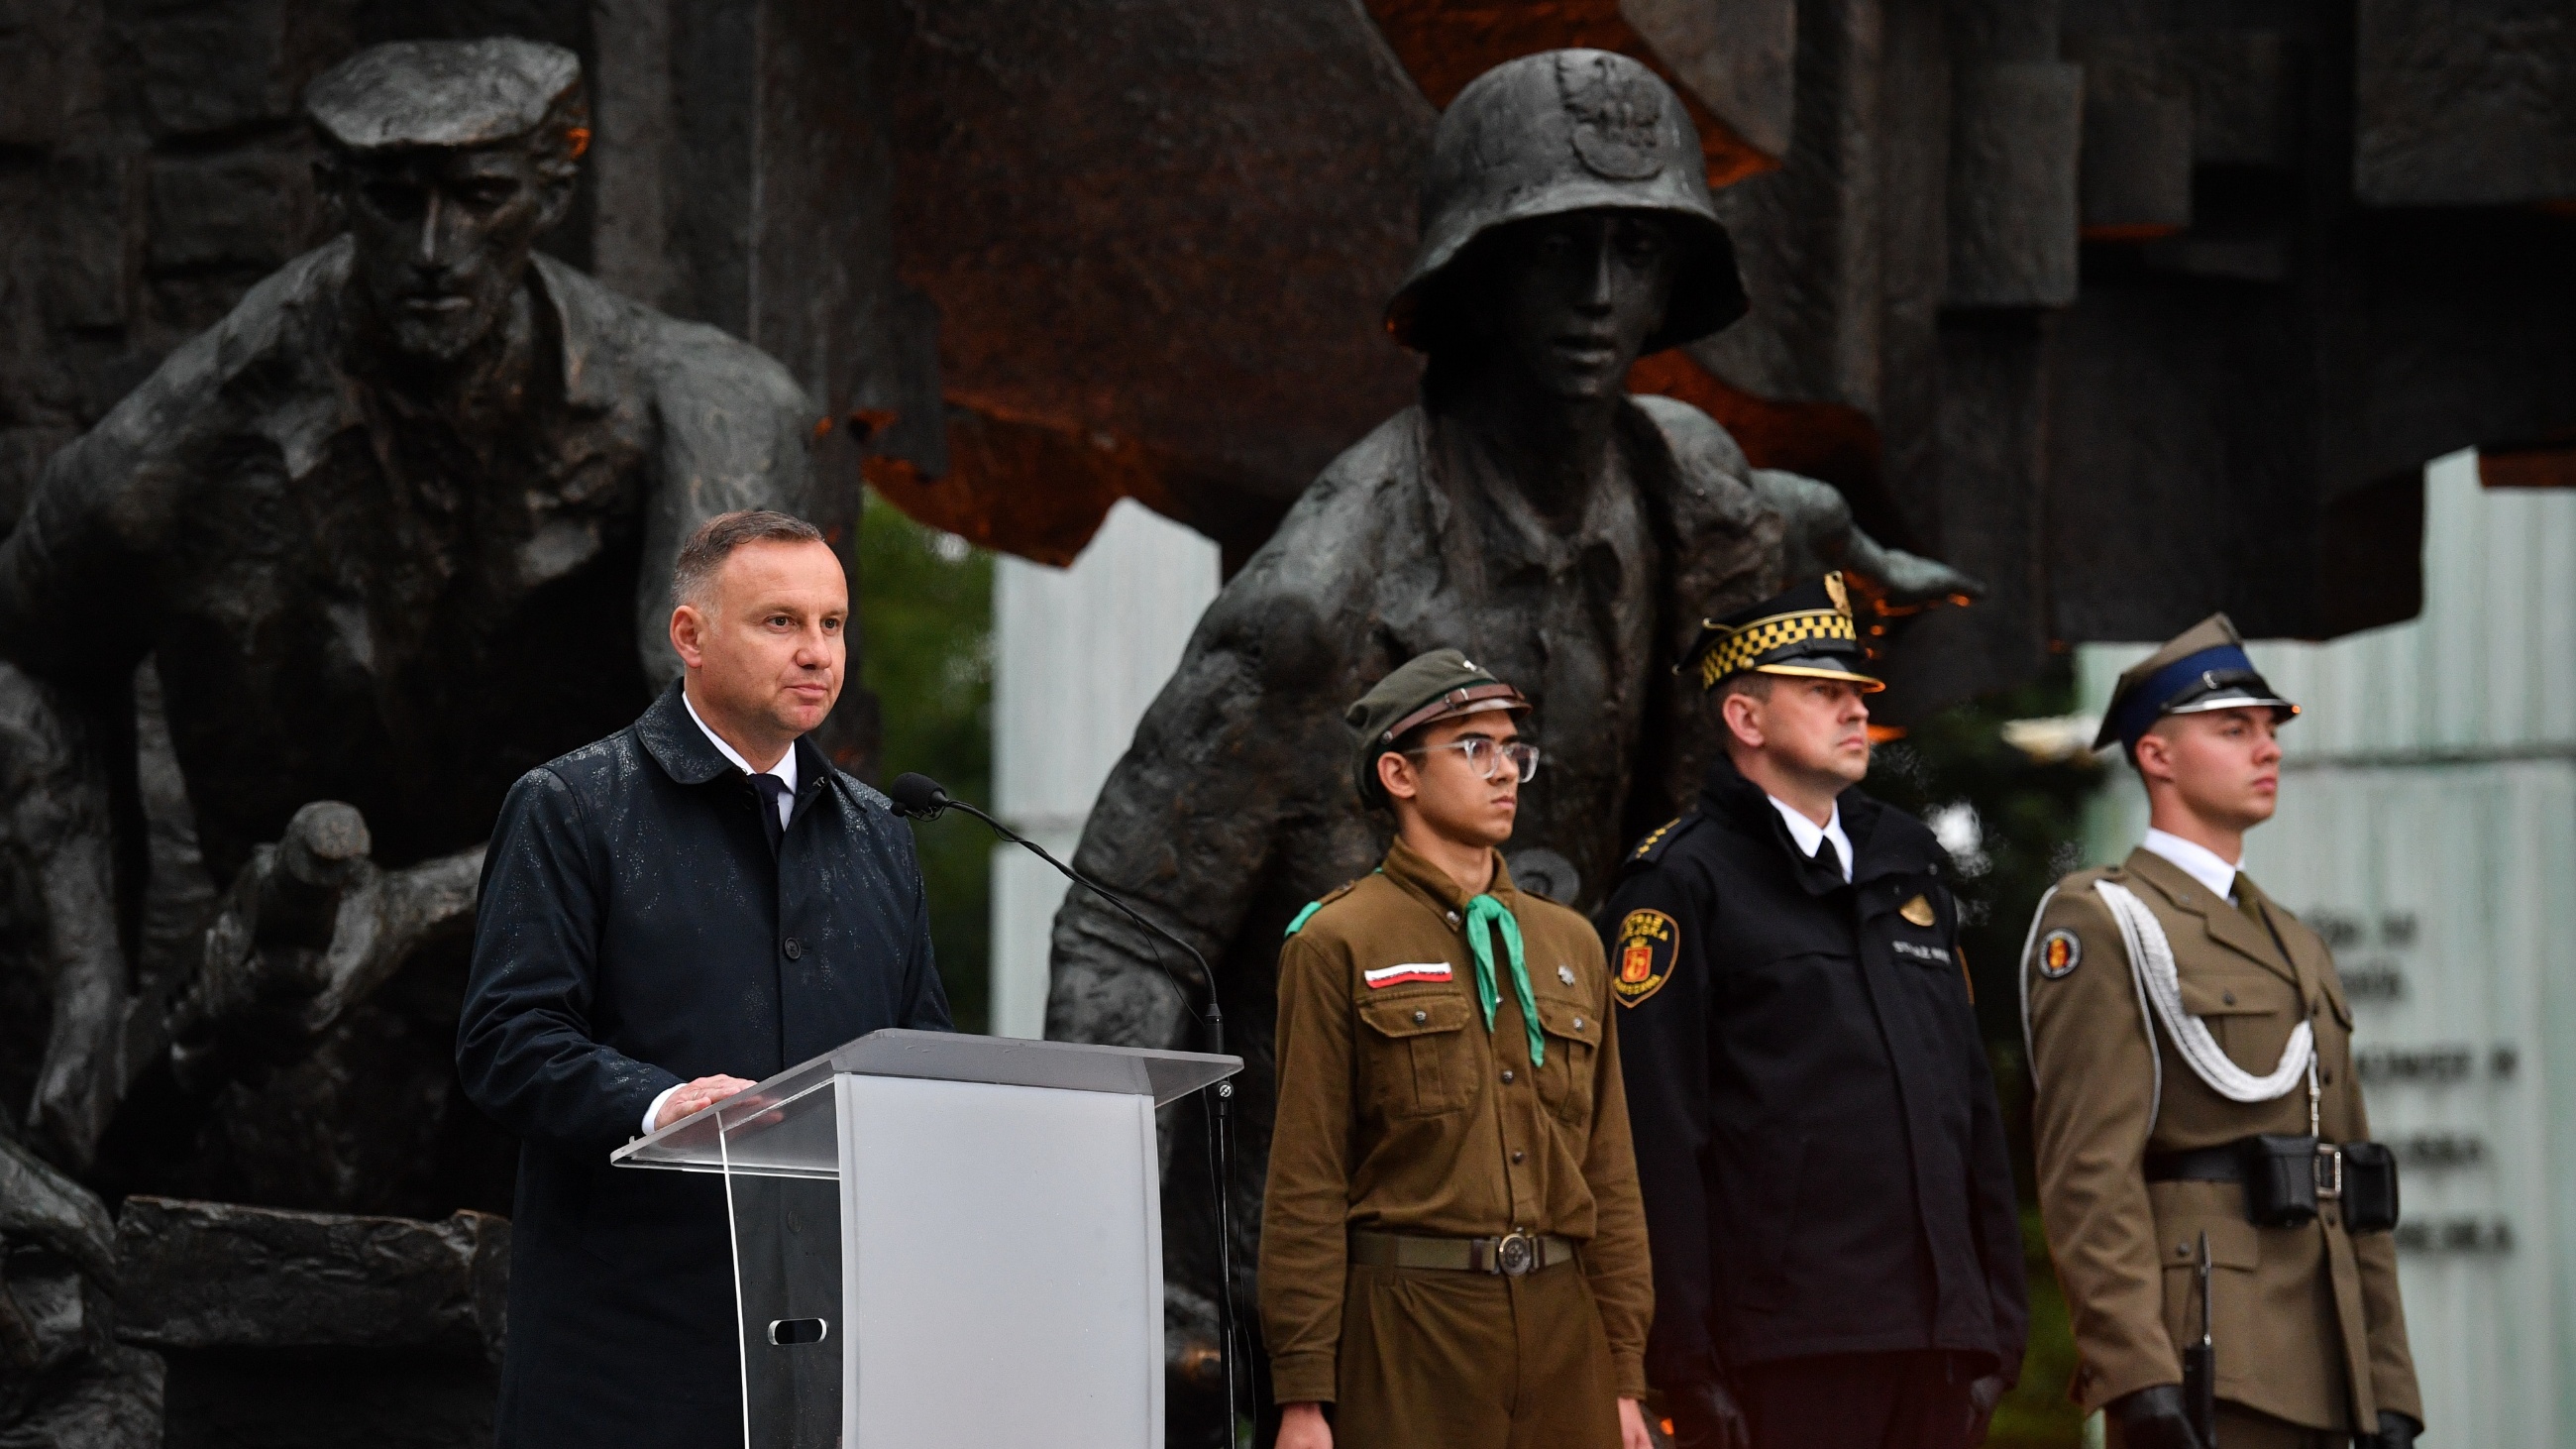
(1822, 1159)
(635, 932)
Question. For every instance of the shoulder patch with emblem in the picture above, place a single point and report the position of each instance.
(2060, 951)
(1918, 911)
(1647, 943)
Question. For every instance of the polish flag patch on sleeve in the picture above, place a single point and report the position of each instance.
(1385, 976)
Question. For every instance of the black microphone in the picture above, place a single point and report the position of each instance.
(920, 797)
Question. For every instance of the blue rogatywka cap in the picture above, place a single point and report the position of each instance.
(2203, 668)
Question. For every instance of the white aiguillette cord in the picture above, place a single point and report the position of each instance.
(2151, 960)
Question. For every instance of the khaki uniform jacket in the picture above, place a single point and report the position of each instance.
(2305, 1320)
(1399, 1112)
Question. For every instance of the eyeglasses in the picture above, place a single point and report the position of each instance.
(1487, 757)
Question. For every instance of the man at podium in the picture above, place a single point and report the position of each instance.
(1453, 1252)
(688, 905)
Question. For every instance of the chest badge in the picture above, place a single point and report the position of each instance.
(1918, 911)
(1565, 973)
(2059, 952)
(1647, 943)
(1381, 977)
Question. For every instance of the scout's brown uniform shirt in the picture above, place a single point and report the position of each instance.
(2306, 1320)
(1399, 1112)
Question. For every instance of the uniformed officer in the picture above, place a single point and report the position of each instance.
(2176, 1015)
(1837, 1251)
(1451, 1247)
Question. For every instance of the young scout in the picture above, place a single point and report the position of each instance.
(1452, 1252)
(1838, 1260)
(2177, 1015)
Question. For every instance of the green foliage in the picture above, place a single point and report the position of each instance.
(2028, 825)
(926, 625)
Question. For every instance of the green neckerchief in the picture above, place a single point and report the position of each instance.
(1484, 911)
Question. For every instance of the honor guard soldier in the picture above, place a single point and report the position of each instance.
(1837, 1251)
(2192, 1050)
(1452, 1252)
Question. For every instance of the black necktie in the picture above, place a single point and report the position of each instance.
(771, 790)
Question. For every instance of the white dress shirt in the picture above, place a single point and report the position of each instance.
(2197, 861)
(1807, 832)
(785, 770)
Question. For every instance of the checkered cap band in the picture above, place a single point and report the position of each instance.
(1746, 647)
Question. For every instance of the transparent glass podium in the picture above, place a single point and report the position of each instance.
(946, 1239)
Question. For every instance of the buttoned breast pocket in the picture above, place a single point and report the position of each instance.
(2251, 1013)
(1573, 1032)
(1415, 1061)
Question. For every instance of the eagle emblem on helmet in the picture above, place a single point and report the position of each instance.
(1616, 113)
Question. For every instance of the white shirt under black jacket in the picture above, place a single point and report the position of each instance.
(1807, 832)
(785, 771)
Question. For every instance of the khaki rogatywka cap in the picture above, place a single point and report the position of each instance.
(1431, 686)
(2203, 668)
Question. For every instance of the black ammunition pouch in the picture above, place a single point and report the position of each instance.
(2281, 1187)
(2286, 1178)
(2369, 1187)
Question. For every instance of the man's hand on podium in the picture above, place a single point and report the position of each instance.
(693, 1097)
(1302, 1426)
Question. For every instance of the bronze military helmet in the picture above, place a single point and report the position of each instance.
(1572, 130)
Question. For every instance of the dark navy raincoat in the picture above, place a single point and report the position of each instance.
(636, 931)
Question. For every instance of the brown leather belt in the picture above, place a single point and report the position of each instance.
(1513, 1254)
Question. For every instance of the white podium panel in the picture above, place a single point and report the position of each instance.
(1007, 1273)
(942, 1238)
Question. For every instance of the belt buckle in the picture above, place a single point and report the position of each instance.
(1515, 1254)
(2328, 1170)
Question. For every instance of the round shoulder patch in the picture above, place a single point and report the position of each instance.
(2060, 951)
(1647, 942)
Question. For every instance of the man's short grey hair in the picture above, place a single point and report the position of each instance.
(718, 537)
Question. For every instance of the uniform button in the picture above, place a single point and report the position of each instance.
(1507, 1074)
(794, 948)
(1453, 918)
(1517, 1154)
(1578, 1023)
(1420, 1017)
(2228, 996)
(2182, 1250)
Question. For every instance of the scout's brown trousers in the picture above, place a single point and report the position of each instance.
(1436, 1359)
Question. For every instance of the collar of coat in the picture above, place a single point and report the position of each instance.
(1418, 877)
(683, 751)
(1885, 842)
(2223, 923)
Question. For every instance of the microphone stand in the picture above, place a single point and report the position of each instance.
(930, 805)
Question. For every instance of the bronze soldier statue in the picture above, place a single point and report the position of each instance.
(1565, 535)
(398, 528)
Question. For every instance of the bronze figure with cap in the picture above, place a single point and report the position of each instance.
(1529, 510)
(2192, 1064)
(392, 532)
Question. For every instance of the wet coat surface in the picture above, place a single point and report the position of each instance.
(636, 931)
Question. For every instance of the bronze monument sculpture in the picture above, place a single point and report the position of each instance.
(1529, 511)
(397, 529)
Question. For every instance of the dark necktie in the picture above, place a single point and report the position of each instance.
(1828, 858)
(771, 790)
